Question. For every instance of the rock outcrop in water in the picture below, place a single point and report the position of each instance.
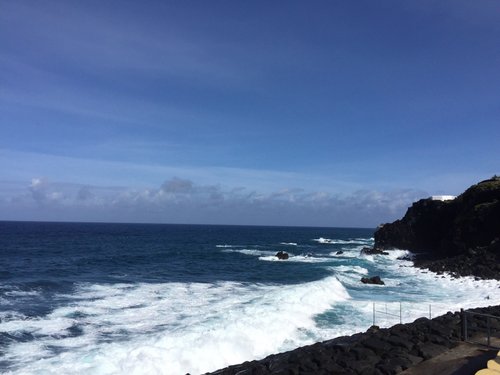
(372, 251)
(461, 236)
(281, 255)
(372, 280)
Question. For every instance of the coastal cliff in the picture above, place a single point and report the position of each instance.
(461, 236)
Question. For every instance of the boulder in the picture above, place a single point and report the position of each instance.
(282, 255)
(372, 280)
(340, 252)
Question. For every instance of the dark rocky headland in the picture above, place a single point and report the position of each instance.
(460, 236)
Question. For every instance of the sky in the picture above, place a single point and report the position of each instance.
(314, 113)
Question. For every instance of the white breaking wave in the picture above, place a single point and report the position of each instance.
(342, 242)
(172, 328)
(347, 252)
(296, 258)
(253, 252)
(289, 243)
(351, 269)
(270, 256)
(396, 254)
(229, 246)
(323, 240)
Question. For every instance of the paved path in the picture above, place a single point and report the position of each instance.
(465, 359)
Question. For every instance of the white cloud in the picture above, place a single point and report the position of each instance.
(40, 191)
(184, 201)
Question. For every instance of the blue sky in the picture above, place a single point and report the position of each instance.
(331, 113)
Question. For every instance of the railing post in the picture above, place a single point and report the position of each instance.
(373, 313)
(400, 313)
(464, 324)
(489, 333)
(430, 312)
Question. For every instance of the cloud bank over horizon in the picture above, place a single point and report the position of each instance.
(184, 201)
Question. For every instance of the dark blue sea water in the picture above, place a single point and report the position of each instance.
(142, 299)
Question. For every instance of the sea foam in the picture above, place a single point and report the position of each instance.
(171, 328)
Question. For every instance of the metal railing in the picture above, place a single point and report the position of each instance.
(391, 313)
(466, 329)
(480, 328)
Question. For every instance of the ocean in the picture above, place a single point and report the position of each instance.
(85, 298)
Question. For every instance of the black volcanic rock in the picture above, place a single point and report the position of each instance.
(282, 255)
(466, 229)
(373, 251)
(481, 263)
(372, 280)
(422, 228)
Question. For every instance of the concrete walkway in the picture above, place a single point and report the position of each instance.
(465, 359)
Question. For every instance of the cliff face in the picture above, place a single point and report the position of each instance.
(442, 229)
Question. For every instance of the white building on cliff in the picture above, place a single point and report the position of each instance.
(443, 197)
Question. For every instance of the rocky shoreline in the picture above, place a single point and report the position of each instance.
(460, 237)
(480, 263)
(377, 351)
